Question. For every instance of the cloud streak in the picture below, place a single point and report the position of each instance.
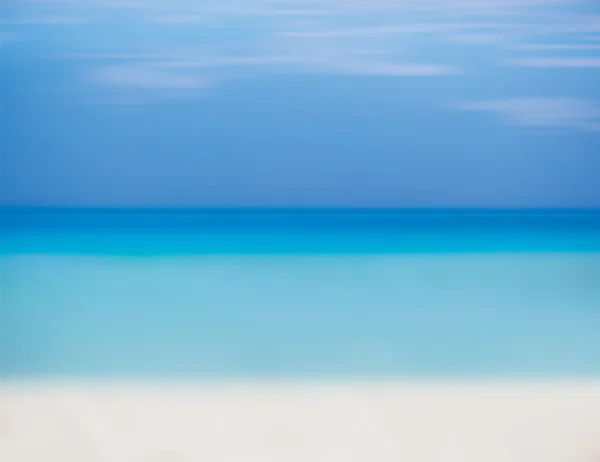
(148, 77)
(558, 47)
(567, 113)
(177, 18)
(401, 29)
(478, 38)
(380, 68)
(188, 74)
(558, 62)
(47, 20)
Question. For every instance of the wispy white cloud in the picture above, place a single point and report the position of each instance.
(566, 113)
(478, 39)
(368, 31)
(224, 61)
(399, 29)
(563, 61)
(177, 18)
(474, 7)
(90, 3)
(378, 68)
(558, 47)
(303, 59)
(355, 64)
(111, 55)
(479, 6)
(182, 68)
(47, 20)
(142, 83)
(276, 12)
(582, 24)
(144, 76)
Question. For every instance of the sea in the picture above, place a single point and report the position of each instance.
(298, 294)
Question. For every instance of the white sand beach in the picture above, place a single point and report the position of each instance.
(350, 422)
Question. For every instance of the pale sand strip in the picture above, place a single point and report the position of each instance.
(369, 422)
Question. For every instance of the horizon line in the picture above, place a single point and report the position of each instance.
(298, 209)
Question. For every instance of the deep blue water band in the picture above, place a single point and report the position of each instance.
(301, 219)
(295, 231)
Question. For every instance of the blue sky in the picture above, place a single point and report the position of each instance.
(414, 103)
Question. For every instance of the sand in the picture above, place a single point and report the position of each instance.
(312, 422)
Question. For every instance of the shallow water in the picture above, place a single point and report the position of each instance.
(104, 312)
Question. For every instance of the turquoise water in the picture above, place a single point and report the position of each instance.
(82, 298)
